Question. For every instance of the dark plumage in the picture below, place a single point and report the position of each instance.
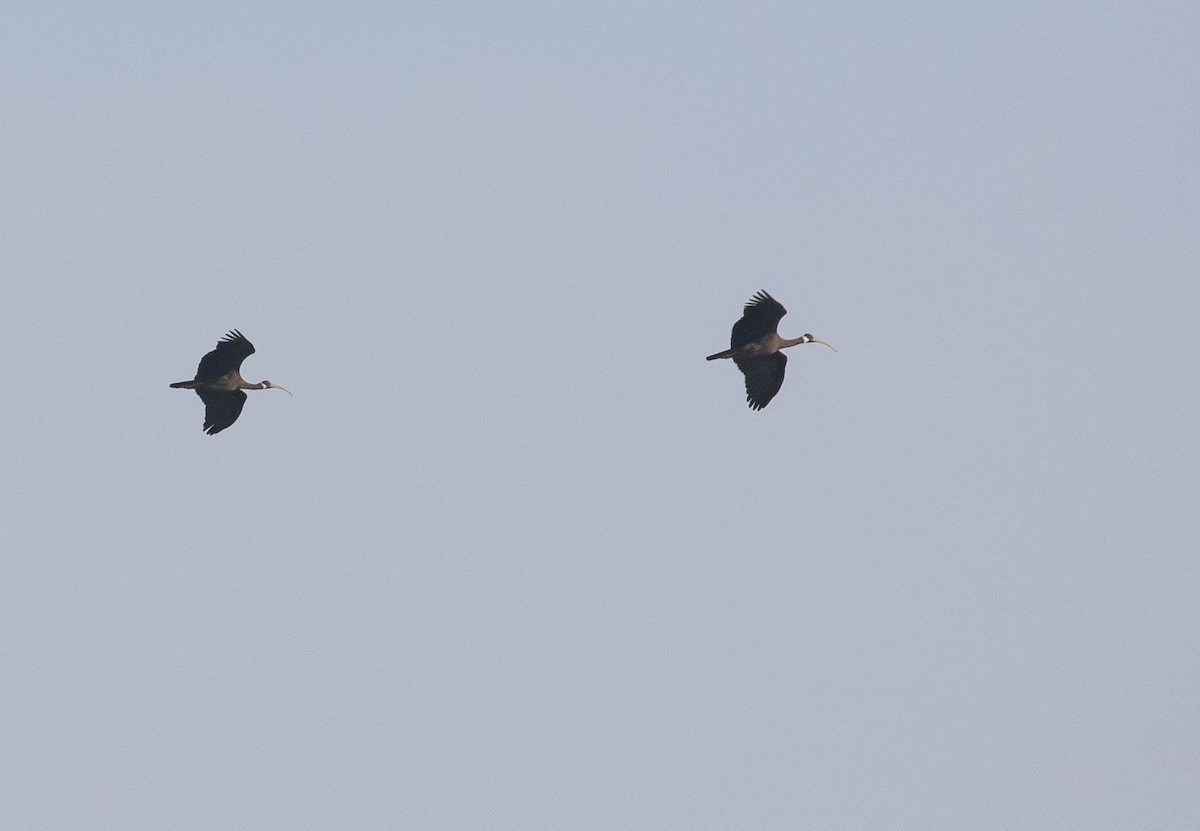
(755, 345)
(219, 382)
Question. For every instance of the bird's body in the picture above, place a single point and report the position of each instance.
(755, 347)
(219, 382)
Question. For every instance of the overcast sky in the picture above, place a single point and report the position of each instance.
(515, 556)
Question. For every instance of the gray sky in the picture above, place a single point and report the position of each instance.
(515, 555)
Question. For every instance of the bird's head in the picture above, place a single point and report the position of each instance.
(267, 385)
(810, 339)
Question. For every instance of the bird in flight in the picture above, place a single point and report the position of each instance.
(219, 382)
(755, 347)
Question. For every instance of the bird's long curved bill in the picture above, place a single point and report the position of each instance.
(818, 340)
(289, 392)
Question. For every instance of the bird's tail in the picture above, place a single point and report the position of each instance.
(184, 385)
(728, 353)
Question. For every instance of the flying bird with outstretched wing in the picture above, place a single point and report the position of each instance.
(755, 347)
(219, 382)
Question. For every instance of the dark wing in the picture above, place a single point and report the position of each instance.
(228, 356)
(760, 317)
(221, 408)
(764, 377)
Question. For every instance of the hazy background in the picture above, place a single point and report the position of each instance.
(515, 555)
